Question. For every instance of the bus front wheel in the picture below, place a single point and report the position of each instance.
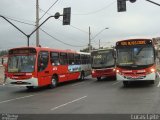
(125, 83)
(152, 81)
(30, 87)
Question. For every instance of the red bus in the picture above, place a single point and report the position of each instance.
(103, 63)
(38, 66)
(135, 61)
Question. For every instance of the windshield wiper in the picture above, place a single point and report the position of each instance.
(139, 50)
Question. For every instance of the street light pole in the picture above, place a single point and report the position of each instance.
(99, 33)
(37, 22)
(56, 16)
(89, 45)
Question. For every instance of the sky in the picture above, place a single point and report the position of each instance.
(141, 20)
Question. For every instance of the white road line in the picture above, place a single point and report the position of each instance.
(68, 103)
(116, 82)
(16, 99)
(77, 84)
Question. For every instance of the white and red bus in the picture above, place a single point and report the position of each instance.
(135, 61)
(103, 63)
(39, 66)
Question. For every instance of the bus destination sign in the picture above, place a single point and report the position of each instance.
(130, 43)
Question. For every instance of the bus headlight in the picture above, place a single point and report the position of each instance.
(152, 70)
(93, 71)
(117, 71)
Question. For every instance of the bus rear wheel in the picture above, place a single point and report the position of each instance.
(82, 75)
(54, 82)
(98, 78)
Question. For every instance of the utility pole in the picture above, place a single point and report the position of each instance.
(37, 22)
(89, 45)
(99, 43)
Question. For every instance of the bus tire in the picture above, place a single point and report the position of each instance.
(54, 82)
(30, 87)
(125, 83)
(82, 75)
(98, 78)
(152, 81)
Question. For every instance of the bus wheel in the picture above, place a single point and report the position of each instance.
(125, 83)
(54, 82)
(98, 78)
(82, 75)
(30, 87)
(152, 81)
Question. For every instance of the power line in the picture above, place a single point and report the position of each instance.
(61, 40)
(49, 9)
(19, 21)
(76, 28)
(69, 25)
(99, 10)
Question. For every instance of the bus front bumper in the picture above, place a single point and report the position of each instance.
(148, 77)
(28, 82)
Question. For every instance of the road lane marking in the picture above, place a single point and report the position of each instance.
(5, 101)
(77, 84)
(68, 103)
(116, 82)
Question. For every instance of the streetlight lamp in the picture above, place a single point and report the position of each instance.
(89, 45)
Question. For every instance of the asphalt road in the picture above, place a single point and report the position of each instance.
(85, 97)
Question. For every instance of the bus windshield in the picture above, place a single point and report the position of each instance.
(102, 59)
(136, 55)
(21, 63)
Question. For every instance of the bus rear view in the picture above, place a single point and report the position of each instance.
(103, 63)
(135, 61)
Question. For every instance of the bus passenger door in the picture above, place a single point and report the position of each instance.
(43, 68)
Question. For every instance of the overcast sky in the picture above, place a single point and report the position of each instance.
(140, 20)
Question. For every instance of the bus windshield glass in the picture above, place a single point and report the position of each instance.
(21, 63)
(136, 55)
(102, 59)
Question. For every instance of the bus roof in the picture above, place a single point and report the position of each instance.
(134, 39)
(103, 49)
(49, 49)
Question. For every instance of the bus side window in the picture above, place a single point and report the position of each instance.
(43, 59)
(63, 59)
(71, 58)
(77, 59)
(55, 58)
